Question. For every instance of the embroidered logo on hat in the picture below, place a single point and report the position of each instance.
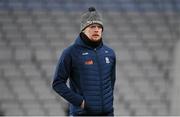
(89, 62)
(93, 22)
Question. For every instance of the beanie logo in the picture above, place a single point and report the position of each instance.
(92, 22)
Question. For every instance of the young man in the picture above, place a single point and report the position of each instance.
(90, 67)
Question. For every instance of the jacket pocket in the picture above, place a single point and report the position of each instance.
(85, 104)
(92, 106)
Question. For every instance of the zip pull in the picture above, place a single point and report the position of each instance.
(95, 49)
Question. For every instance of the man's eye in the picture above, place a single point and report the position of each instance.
(99, 27)
(93, 26)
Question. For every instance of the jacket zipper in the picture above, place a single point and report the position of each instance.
(99, 68)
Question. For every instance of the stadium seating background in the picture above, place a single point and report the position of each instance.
(33, 33)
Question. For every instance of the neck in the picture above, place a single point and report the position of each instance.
(89, 42)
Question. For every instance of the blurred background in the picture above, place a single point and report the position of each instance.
(143, 33)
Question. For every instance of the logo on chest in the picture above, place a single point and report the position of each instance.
(85, 53)
(107, 60)
(89, 62)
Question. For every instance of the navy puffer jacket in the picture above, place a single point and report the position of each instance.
(91, 74)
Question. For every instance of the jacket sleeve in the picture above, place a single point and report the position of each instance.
(113, 74)
(60, 79)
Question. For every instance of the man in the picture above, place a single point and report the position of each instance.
(90, 67)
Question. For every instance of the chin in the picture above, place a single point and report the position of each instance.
(95, 40)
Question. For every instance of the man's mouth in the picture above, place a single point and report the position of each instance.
(96, 35)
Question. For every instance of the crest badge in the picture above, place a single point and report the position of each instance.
(107, 60)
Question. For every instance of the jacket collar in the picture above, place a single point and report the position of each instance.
(80, 42)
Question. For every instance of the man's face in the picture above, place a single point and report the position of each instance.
(94, 32)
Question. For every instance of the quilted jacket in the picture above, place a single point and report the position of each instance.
(91, 74)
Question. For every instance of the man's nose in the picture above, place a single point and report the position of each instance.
(96, 28)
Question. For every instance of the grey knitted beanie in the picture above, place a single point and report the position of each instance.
(90, 17)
